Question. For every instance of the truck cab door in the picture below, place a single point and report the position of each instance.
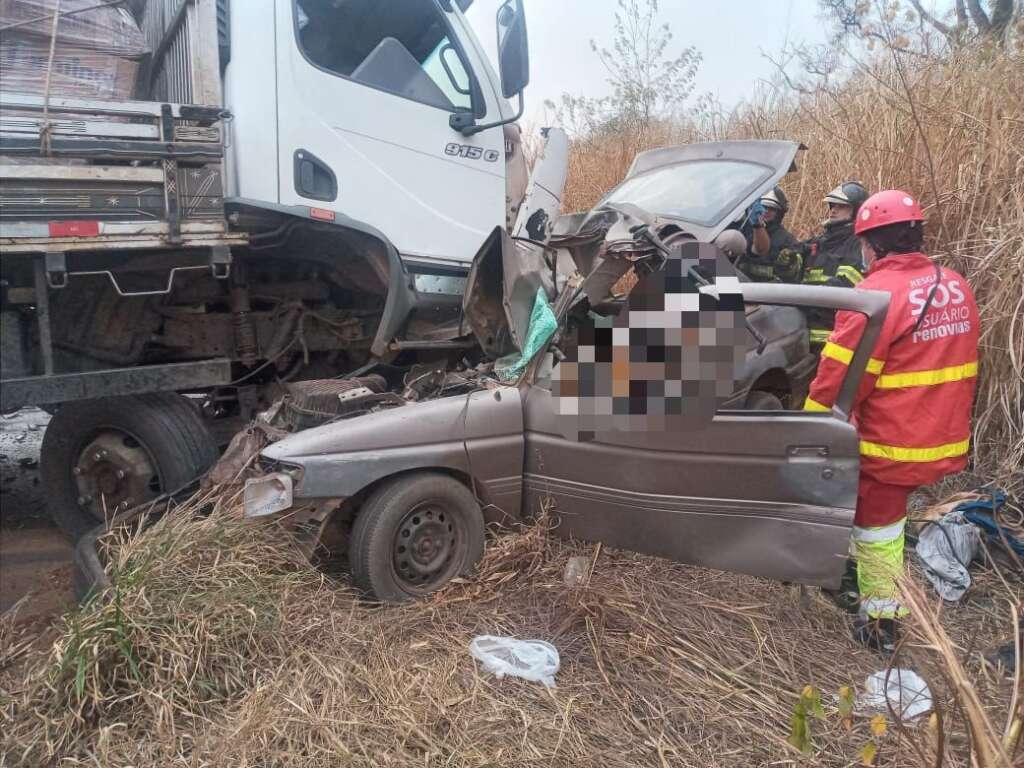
(365, 92)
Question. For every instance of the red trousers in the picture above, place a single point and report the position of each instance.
(880, 503)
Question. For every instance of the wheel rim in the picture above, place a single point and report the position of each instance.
(428, 547)
(114, 471)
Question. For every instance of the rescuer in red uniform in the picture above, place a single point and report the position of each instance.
(913, 407)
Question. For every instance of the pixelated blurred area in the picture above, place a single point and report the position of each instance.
(667, 360)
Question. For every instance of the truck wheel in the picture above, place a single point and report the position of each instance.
(760, 400)
(100, 457)
(413, 535)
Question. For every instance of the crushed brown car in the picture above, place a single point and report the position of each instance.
(409, 480)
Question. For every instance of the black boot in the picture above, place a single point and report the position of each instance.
(847, 597)
(877, 634)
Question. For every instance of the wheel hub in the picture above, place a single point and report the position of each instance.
(424, 545)
(112, 473)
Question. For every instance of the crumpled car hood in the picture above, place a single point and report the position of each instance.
(507, 273)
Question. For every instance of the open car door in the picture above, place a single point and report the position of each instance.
(765, 493)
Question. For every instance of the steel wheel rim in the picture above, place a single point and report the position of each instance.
(427, 548)
(114, 471)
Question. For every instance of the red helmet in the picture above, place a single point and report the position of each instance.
(891, 206)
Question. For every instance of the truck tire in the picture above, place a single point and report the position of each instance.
(759, 400)
(413, 535)
(101, 456)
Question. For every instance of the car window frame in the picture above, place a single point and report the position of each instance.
(478, 104)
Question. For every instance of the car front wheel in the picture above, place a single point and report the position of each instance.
(413, 535)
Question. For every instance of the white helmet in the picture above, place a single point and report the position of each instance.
(776, 199)
(732, 243)
(849, 193)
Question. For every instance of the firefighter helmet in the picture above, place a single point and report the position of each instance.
(732, 243)
(776, 199)
(851, 193)
(892, 206)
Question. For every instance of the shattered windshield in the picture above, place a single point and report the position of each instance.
(701, 191)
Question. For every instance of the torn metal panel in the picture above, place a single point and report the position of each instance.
(502, 284)
(543, 201)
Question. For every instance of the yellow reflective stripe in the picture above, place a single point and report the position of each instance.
(838, 353)
(882, 608)
(850, 273)
(897, 453)
(844, 355)
(879, 533)
(928, 378)
(814, 405)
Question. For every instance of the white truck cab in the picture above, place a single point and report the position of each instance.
(349, 107)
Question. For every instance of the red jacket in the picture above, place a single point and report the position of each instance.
(913, 407)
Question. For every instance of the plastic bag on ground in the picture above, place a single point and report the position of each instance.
(533, 660)
(946, 547)
(907, 692)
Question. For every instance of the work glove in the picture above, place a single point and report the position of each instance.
(788, 265)
(755, 214)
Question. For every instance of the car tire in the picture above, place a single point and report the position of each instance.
(413, 535)
(163, 427)
(759, 400)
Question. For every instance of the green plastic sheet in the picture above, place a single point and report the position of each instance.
(542, 327)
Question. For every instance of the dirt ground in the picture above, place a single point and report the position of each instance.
(35, 557)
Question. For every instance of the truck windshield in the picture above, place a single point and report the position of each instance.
(701, 191)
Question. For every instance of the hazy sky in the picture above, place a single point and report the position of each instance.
(730, 35)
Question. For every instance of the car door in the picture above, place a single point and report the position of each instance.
(764, 493)
(365, 92)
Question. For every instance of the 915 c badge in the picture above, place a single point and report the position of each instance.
(472, 153)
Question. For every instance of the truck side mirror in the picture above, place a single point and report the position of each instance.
(513, 49)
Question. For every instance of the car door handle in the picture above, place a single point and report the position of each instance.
(805, 452)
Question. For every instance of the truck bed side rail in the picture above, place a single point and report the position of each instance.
(150, 171)
(185, 65)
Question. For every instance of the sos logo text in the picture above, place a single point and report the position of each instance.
(948, 315)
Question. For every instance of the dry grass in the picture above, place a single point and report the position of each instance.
(222, 649)
(950, 131)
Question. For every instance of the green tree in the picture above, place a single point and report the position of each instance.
(648, 82)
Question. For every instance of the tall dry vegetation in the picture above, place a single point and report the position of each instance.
(221, 648)
(949, 130)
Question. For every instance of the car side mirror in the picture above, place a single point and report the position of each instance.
(513, 49)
